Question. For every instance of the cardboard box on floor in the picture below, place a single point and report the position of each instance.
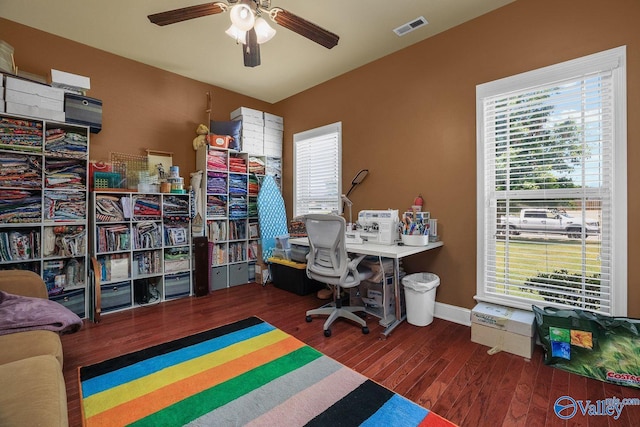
(503, 329)
(262, 269)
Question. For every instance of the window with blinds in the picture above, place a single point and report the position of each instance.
(552, 187)
(317, 164)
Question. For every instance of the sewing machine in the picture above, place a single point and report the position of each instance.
(378, 226)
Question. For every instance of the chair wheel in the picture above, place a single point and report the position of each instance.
(308, 319)
(365, 330)
(327, 332)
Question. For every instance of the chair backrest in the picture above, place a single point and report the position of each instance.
(328, 259)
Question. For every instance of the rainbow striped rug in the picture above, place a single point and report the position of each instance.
(244, 373)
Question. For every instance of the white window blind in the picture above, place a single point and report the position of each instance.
(317, 167)
(552, 186)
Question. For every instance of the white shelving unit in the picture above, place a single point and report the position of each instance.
(43, 204)
(142, 243)
(229, 192)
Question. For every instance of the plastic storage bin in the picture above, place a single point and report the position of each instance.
(292, 276)
(420, 297)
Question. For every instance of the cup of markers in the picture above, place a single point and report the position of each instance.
(414, 233)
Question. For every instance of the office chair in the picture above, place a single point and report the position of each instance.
(328, 262)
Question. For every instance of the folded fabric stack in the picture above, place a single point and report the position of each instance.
(237, 184)
(256, 165)
(64, 205)
(20, 206)
(174, 206)
(252, 208)
(65, 173)
(217, 160)
(20, 134)
(146, 207)
(237, 164)
(216, 182)
(21, 171)
(66, 144)
(237, 207)
(254, 185)
(216, 206)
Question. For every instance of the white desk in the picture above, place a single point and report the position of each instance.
(394, 252)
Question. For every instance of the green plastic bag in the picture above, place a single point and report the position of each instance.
(589, 344)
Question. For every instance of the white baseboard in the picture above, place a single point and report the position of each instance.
(453, 313)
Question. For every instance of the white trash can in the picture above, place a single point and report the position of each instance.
(420, 297)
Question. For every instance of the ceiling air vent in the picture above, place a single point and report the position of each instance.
(410, 26)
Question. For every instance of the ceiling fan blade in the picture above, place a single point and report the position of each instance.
(304, 28)
(186, 13)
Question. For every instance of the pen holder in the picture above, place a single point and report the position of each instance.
(415, 239)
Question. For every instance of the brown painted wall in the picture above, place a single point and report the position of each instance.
(409, 118)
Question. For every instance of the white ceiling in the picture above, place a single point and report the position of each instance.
(200, 50)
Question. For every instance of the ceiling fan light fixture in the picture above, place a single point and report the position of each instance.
(264, 31)
(238, 35)
(242, 17)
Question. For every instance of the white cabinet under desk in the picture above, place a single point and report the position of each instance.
(394, 252)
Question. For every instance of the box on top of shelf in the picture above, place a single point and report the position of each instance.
(33, 111)
(64, 80)
(83, 110)
(248, 112)
(6, 58)
(272, 121)
(248, 116)
(45, 91)
(503, 329)
(33, 100)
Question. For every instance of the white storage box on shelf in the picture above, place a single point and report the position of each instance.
(7, 63)
(34, 99)
(420, 297)
(271, 121)
(503, 329)
(64, 80)
(248, 115)
(252, 138)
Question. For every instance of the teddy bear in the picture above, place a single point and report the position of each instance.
(201, 139)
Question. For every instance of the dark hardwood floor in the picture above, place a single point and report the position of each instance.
(436, 366)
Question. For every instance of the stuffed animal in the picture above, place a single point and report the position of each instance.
(201, 139)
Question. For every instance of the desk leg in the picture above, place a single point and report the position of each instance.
(399, 318)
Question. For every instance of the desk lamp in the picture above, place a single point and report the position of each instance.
(360, 176)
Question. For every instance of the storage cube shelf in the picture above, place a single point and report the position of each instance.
(142, 243)
(230, 210)
(43, 204)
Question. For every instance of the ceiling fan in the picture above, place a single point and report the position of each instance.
(248, 27)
